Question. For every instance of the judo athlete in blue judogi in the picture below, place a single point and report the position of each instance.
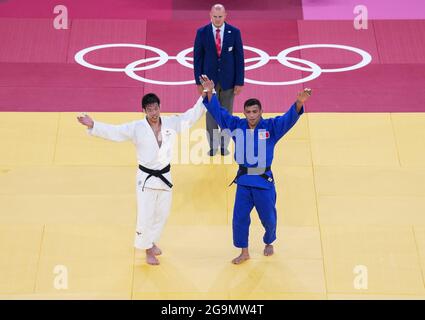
(255, 139)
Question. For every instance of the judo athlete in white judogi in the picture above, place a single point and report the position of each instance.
(154, 138)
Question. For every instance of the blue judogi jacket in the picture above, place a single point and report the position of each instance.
(254, 148)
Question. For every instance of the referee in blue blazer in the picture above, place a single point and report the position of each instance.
(218, 53)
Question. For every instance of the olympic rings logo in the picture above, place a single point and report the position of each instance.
(262, 59)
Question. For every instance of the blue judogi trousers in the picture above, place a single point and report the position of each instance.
(264, 200)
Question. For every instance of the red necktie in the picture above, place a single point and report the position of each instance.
(218, 41)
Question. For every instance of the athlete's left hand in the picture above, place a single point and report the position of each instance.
(303, 95)
(207, 84)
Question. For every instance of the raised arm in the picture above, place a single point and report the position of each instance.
(111, 132)
(302, 97)
(223, 118)
(189, 118)
(282, 124)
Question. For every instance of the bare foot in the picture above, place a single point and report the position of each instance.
(268, 250)
(242, 257)
(156, 250)
(150, 258)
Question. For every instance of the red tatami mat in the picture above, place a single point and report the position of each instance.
(273, 98)
(253, 10)
(61, 75)
(174, 98)
(102, 9)
(336, 32)
(89, 33)
(172, 36)
(47, 99)
(374, 88)
(39, 73)
(32, 40)
(271, 37)
(401, 41)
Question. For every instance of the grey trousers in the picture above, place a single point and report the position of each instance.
(216, 139)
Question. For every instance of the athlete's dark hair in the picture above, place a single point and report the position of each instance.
(252, 102)
(149, 99)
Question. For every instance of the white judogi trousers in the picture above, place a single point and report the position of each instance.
(153, 208)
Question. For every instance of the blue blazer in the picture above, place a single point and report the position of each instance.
(229, 68)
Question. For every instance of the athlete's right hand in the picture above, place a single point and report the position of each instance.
(206, 83)
(86, 121)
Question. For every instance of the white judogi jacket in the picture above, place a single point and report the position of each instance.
(149, 154)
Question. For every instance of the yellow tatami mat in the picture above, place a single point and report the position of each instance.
(351, 214)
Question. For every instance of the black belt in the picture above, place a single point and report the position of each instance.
(156, 173)
(253, 171)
